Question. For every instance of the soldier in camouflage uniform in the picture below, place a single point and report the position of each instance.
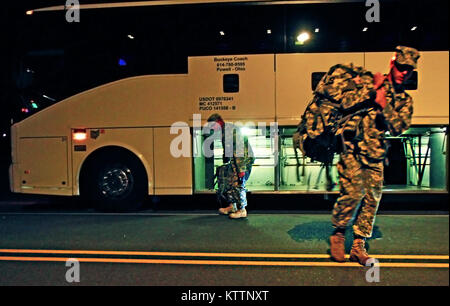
(238, 152)
(386, 108)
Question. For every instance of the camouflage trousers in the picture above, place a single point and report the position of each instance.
(238, 192)
(237, 195)
(233, 188)
(360, 194)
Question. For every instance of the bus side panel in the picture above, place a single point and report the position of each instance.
(293, 80)
(238, 87)
(431, 99)
(173, 173)
(156, 100)
(139, 141)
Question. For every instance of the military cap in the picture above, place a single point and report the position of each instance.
(406, 56)
(214, 118)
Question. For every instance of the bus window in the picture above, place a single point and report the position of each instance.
(306, 175)
(262, 177)
(416, 161)
(412, 82)
(425, 152)
(231, 83)
(315, 79)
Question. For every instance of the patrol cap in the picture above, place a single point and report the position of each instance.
(406, 56)
(214, 118)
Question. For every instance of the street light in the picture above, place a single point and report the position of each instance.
(302, 37)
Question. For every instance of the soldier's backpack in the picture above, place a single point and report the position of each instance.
(224, 177)
(316, 135)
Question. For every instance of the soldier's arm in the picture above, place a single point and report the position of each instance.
(398, 115)
(244, 154)
(241, 164)
(226, 148)
(244, 162)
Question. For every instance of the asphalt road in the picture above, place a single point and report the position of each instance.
(200, 248)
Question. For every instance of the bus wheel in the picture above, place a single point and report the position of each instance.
(116, 183)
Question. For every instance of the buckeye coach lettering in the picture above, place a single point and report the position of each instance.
(230, 63)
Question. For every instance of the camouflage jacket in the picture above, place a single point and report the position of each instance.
(237, 148)
(363, 124)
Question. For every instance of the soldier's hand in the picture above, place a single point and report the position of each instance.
(380, 122)
(381, 97)
(241, 177)
(378, 80)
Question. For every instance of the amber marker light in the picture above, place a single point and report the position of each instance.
(79, 135)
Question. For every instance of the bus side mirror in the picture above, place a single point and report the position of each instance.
(315, 79)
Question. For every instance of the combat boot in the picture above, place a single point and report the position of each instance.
(358, 252)
(227, 210)
(337, 246)
(241, 213)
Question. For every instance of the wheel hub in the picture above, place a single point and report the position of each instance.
(116, 181)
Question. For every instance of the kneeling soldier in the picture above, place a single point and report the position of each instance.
(238, 152)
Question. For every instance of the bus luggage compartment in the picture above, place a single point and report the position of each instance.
(42, 162)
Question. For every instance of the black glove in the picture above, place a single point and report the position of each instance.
(380, 122)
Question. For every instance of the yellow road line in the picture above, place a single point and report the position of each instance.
(224, 262)
(197, 254)
(435, 257)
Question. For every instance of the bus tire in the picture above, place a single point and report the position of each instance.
(115, 182)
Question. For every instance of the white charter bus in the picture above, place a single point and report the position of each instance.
(108, 89)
